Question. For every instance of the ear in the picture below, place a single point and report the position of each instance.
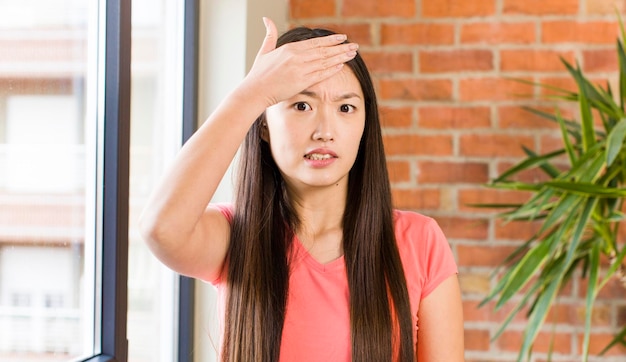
(265, 133)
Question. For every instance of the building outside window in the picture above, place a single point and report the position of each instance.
(50, 139)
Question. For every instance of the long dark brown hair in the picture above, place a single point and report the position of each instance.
(262, 232)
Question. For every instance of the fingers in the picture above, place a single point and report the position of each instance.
(331, 52)
(338, 59)
(271, 35)
(327, 67)
(324, 41)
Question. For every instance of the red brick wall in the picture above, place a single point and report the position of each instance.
(453, 121)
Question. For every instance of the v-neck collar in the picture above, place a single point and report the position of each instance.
(301, 253)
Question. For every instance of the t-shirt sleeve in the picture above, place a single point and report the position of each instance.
(227, 211)
(439, 260)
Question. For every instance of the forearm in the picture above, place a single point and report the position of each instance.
(180, 199)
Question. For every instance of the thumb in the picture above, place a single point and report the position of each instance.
(271, 35)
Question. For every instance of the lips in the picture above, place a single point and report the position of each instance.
(320, 154)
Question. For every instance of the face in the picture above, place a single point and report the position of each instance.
(314, 136)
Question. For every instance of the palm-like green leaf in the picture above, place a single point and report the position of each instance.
(569, 148)
(578, 209)
(587, 189)
(620, 338)
(588, 130)
(528, 163)
(615, 141)
(591, 296)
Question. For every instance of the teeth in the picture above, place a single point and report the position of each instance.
(318, 156)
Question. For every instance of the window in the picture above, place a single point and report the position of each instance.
(46, 300)
(75, 168)
(163, 114)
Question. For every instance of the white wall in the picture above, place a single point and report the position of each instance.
(231, 32)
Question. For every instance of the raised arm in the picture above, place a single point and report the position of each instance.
(177, 223)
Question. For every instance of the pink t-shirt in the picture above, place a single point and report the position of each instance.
(317, 320)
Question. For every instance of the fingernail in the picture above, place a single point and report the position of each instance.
(351, 54)
(341, 37)
(354, 46)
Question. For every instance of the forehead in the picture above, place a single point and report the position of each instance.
(340, 83)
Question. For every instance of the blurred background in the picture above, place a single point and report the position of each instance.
(452, 121)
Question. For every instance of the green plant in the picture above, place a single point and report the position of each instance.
(579, 207)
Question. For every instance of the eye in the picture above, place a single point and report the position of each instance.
(302, 106)
(346, 108)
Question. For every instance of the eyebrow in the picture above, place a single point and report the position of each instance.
(338, 98)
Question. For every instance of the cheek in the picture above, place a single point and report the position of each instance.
(282, 143)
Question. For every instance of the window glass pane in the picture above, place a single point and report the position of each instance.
(46, 179)
(156, 132)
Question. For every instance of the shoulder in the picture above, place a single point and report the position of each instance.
(411, 225)
(422, 245)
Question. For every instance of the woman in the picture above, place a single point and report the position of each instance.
(311, 260)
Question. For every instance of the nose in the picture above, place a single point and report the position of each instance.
(324, 130)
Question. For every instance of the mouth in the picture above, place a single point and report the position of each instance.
(319, 156)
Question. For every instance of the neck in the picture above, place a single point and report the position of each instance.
(321, 224)
(319, 210)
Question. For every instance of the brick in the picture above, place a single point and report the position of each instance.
(455, 60)
(494, 145)
(600, 61)
(488, 359)
(562, 314)
(388, 62)
(416, 34)
(515, 230)
(600, 315)
(540, 7)
(533, 175)
(411, 199)
(452, 172)
(566, 83)
(399, 171)
(621, 315)
(590, 32)
(491, 256)
(473, 313)
(604, 7)
(516, 117)
(30, 85)
(408, 144)
(396, 117)
(464, 228)
(457, 8)
(416, 89)
(357, 33)
(552, 143)
(512, 341)
(62, 214)
(498, 33)
(54, 50)
(598, 341)
(487, 313)
(475, 283)
(613, 289)
(477, 339)
(534, 60)
(491, 89)
(454, 117)
(302, 9)
(380, 9)
(469, 197)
